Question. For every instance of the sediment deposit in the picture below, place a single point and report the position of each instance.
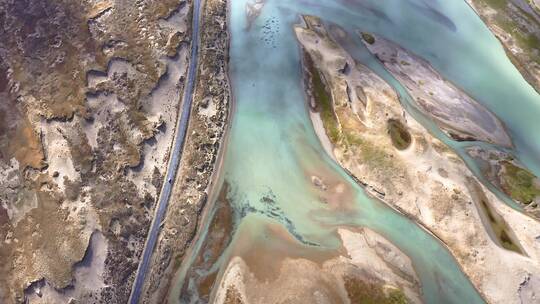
(367, 268)
(402, 164)
(457, 114)
(516, 23)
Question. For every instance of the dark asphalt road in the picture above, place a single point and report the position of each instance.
(176, 156)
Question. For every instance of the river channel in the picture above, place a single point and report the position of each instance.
(273, 152)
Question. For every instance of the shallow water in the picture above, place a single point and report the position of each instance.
(273, 151)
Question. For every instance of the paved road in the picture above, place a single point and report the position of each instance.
(176, 155)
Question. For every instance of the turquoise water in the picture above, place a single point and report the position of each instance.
(459, 46)
(273, 151)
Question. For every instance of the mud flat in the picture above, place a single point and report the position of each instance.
(458, 115)
(201, 278)
(208, 122)
(85, 133)
(402, 164)
(366, 268)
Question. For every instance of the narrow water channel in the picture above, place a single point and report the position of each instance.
(273, 152)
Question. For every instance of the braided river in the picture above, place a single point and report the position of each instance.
(272, 150)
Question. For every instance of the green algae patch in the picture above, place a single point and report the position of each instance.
(518, 183)
(323, 100)
(362, 292)
(352, 138)
(368, 37)
(397, 296)
(500, 228)
(496, 4)
(507, 243)
(400, 136)
(365, 149)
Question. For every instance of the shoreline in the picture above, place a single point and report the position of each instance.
(216, 182)
(198, 176)
(520, 66)
(377, 196)
(174, 159)
(314, 116)
(444, 207)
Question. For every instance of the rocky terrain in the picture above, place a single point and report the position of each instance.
(516, 23)
(90, 92)
(200, 159)
(362, 124)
